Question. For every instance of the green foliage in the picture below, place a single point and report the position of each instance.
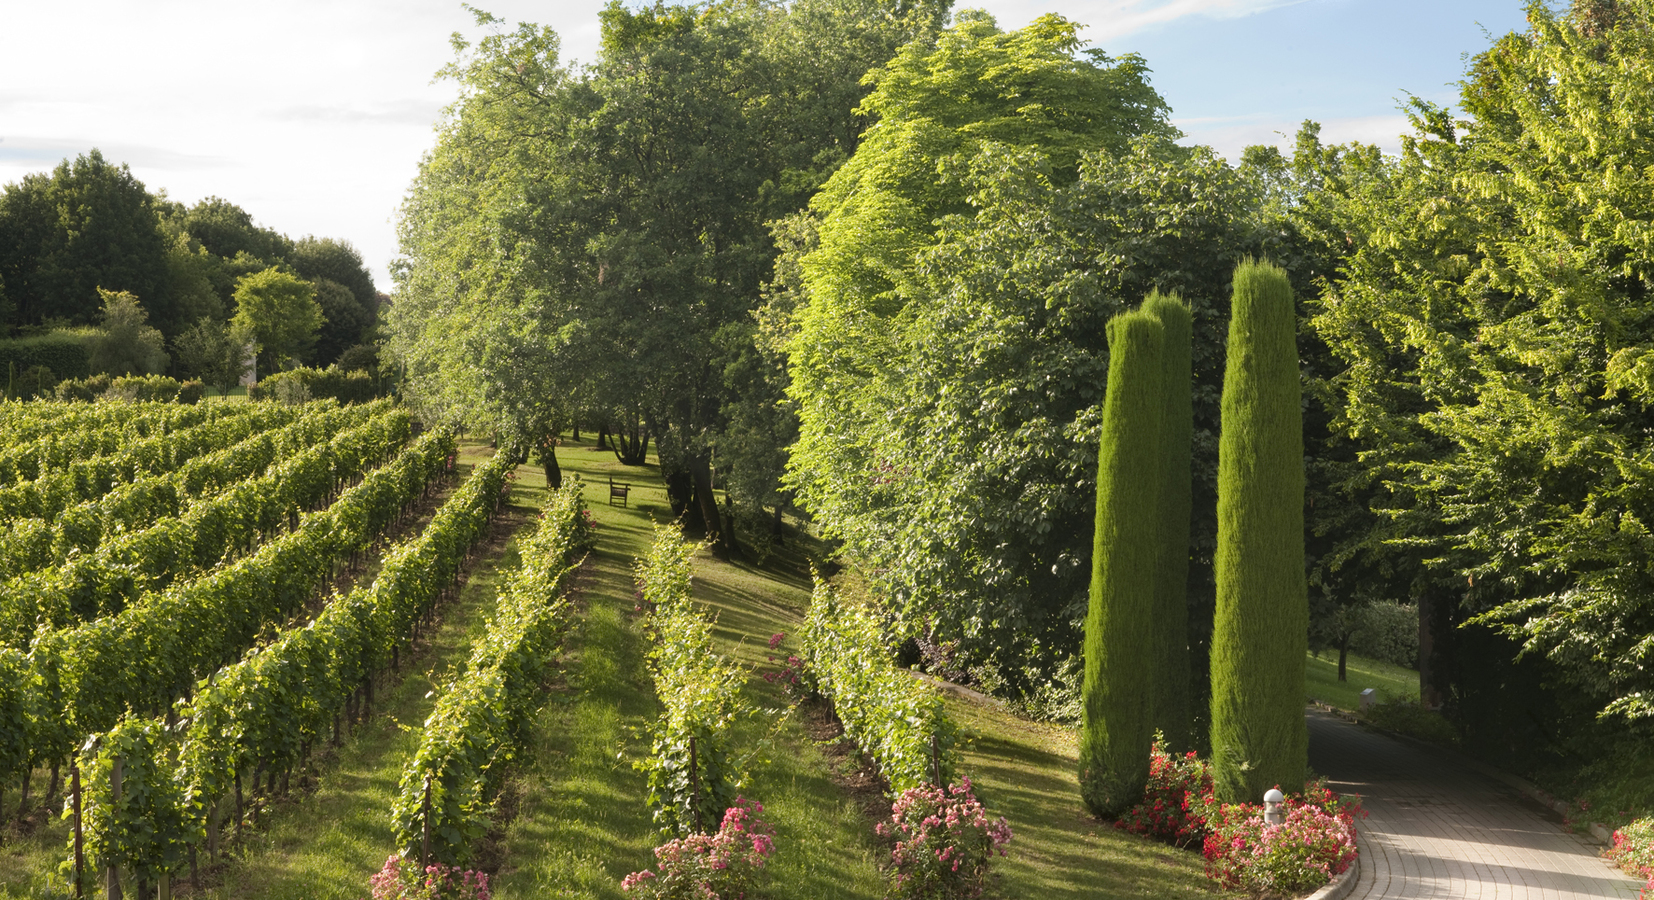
(127, 344)
(193, 628)
(319, 384)
(480, 723)
(575, 242)
(894, 715)
(953, 446)
(1169, 705)
(1492, 322)
(88, 225)
(281, 314)
(213, 351)
(107, 553)
(1115, 727)
(692, 779)
(1260, 633)
(148, 830)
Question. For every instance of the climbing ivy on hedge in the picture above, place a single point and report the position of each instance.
(892, 714)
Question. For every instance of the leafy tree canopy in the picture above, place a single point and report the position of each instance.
(280, 311)
(1493, 319)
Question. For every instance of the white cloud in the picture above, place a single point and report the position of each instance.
(1109, 20)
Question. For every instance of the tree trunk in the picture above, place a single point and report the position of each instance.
(1343, 655)
(603, 437)
(576, 435)
(778, 529)
(1432, 680)
(680, 494)
(701, 469)
(554, 472)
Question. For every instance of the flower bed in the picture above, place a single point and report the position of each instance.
(1633, 851)
(1315, 843)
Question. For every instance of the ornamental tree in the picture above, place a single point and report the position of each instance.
(1261, 628)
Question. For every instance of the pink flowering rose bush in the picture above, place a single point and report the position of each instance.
(403, 879)
(721, 866)
(944, 843)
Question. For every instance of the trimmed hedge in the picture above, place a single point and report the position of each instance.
(64, 352)
(299, 385)
(894, 715)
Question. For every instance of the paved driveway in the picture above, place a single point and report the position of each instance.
(1439, 829)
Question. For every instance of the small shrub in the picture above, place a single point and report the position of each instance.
(1633, 851)
(1174, 803)
(192, 392)
(1404, 715)
(402, 879)
(1314, 844)
(944, 842)
(721, 866)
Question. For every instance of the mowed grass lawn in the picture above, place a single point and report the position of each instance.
(1390, 681)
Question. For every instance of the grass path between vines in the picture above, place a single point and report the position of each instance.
(582, 821)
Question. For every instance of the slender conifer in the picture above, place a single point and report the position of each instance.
(1260, 633)
(1169, 692)
(1115, 727)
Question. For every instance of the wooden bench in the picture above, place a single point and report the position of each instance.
(618, 491)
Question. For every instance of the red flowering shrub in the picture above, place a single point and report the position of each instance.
(722, 866)
(944, 843)
(402, 879)
(1314, 844)
(1173, 807)
(1633, 851)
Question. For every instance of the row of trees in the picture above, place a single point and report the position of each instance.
(89, 229)
(590, 244)
(886, 297)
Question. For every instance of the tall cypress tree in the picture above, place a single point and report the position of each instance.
(1115, 731)
(1169, 691)
(1261, 629)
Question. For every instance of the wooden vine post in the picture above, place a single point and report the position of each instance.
(695, 788)
(425, 820)
(80, 846)
(112, 872)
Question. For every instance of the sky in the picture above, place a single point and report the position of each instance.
(312, 116)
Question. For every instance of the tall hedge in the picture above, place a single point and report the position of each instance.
(1169, 692)
(1115, 727)
(1261, 629)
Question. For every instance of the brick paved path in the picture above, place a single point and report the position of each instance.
(1437, 829)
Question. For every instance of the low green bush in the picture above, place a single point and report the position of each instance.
(1388, 631)
(892, 714)
(1633, 851)
(1404, 715)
